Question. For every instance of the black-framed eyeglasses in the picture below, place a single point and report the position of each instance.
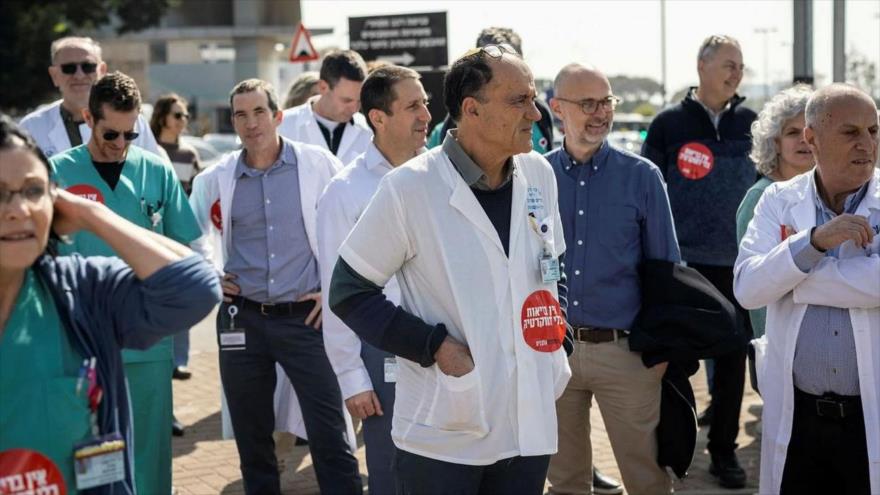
(87, 68)
(181, 115)
(32, 194)
(590, 105)
(114, 135)
(494, 51)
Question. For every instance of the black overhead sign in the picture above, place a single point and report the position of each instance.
(417, 40)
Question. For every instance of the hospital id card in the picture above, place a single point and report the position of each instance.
(232, 338)
(390, 370)
(549, 269)
(99, 461)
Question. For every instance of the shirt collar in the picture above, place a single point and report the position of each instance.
(67, 116)
(471, 172)
(596, 160)
(287, 157)
(374, 158)
(849, 205)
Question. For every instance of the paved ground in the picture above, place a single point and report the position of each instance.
(204, 464)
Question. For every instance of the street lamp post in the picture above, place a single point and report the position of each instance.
(765, 32)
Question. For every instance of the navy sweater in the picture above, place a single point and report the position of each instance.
(707, 172)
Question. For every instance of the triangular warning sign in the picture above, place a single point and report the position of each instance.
(302, 50)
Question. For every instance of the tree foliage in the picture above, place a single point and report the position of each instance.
(28, 27)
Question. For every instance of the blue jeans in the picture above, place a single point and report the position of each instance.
(248, 378)
(417, 475)
(181, 349)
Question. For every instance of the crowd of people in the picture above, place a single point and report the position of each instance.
(465, 291)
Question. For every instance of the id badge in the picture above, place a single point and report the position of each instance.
(232, 338)
(549, 269)
(390, 370)
(99, 461)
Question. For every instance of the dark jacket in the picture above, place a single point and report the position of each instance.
(683, 319)
(704, 208)
(105, 308)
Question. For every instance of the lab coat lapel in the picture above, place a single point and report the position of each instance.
(463, 200)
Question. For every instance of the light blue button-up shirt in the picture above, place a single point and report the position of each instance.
(270, 250)
(825, 353)
(615, 213)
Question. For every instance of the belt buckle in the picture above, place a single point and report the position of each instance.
(823, 405)
(263, 307)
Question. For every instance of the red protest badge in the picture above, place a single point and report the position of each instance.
(695, 161)
(86, 191)
(542, 322)
(216, 216)
(24, 471)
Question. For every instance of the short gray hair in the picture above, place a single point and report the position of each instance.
(787, 104)
(711, 45)
(818, 104)
(75, 41)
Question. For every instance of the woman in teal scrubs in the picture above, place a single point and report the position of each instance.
(64, 320)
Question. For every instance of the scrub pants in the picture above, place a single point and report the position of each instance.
(149, 388)
(377, 429)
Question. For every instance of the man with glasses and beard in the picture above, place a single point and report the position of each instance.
(142, 188)
(60, 125)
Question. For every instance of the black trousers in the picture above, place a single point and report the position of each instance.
(730, 372)
(826, 455)
(418, 475)
(248, 378)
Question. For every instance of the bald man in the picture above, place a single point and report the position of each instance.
(812, 256)
(615, 214)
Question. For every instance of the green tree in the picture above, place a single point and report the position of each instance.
(28, 27)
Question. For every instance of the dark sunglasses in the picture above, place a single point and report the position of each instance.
(181, 115)
(87, 68)
(114, 135)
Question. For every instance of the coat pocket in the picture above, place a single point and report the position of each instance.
(458, 404)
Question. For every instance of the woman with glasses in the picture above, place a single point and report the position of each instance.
(169, 121)
(779, 153)
(64, 320)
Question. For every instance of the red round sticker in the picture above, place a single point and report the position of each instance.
(216, 216)
(695, 161)
(24, 471)
(87, 191)
(542, 322)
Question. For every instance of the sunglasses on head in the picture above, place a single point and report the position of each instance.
(181, 115)
(87, 68)
(114, 135)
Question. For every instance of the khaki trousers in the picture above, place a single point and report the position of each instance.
(628, 395)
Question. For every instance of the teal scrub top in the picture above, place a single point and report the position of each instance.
(148, 194)
(40, 408)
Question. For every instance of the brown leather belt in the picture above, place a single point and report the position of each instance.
(598, 335)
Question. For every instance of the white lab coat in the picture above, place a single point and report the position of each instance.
(211, 200)
(766, 275)
(299, 124)
(46, 127)
(425, 225)
(339, 208)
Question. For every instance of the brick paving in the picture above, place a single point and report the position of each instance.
(204, 464)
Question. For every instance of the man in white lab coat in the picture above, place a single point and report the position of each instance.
(331, 119)
(471, 231)
(60, 125)
(812, 256)
(395, 105)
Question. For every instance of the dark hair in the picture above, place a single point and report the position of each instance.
(117, 90)
(162, 109)
(499, 35)
(14, 137)
(378, 90)
(340, 64)
(251, 85)
(466, 78)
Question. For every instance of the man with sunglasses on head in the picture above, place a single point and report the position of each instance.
(142, 188)
(702, 147)
(60, 125)
(615, 214)
(471, 232)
